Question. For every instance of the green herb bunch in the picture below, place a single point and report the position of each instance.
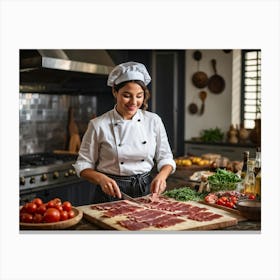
(185, 194)
(223, 180)
(212, 135)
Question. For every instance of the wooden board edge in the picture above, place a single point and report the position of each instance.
(98, 222)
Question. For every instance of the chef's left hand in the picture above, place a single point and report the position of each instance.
(158, 184)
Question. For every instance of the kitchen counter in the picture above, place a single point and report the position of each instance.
(179, 179)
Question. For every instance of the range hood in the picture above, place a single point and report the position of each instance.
(63, 70)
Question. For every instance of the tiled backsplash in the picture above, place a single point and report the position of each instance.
(43, 120)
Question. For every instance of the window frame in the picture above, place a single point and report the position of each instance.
(243, 98)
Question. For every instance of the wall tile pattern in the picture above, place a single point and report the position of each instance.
(43, 120)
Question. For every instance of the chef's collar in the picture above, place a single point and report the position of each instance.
(118, 118)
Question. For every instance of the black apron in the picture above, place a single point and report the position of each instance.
(135, 186)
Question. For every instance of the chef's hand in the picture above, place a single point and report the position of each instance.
(109, 186)
(158, 184)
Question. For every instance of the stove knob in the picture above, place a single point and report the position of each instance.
(32, 180)
(22, 180)
(44, 177)
(72, 172)
(66, 174)
(55, 175)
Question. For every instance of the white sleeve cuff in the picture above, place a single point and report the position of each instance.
(80, 166)
(163, 162)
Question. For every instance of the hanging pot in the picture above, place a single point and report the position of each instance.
(216, 83)
(193, 108)
(199, 78)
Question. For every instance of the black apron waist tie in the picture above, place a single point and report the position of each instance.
(135, 186)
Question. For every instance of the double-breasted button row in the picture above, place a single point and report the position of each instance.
(123, 162)
(144, 142)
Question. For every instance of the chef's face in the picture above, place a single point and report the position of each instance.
(129, 99)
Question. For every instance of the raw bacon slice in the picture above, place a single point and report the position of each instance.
(146, 218)
(132, 225)
(120, 211)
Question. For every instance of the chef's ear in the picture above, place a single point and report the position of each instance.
(114, 92)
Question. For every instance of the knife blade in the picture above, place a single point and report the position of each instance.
(127, 197)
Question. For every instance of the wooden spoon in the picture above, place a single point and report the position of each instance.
(202, 96)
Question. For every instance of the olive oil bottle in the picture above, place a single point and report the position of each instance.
(257, 171)
(250, 179)
(244, 167)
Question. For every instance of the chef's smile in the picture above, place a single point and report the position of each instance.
(129, 99)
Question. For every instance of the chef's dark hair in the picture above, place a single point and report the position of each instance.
(147, 94)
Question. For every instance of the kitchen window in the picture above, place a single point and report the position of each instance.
(251, 87)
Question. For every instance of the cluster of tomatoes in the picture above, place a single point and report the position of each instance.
(52, 211)
(227, 199)
(230, 201)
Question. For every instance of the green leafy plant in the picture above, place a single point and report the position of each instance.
(223, 180)
(185, 194)
(212, 135)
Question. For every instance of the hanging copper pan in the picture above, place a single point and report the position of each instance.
(216, 83)
(199, 78)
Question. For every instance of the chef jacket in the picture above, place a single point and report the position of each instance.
(122, 147)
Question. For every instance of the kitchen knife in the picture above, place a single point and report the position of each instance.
(127, 197)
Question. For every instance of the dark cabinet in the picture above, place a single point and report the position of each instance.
(78, 194)
(168, 94)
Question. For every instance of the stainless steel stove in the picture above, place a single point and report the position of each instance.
(48, 175)
(46, 169)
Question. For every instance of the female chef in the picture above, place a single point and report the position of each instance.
(120, 147)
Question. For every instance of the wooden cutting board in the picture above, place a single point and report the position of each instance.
(227, 219)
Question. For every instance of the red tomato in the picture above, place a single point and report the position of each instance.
(58, 207)
(221, 202)
(38, 201)
(57, 201)
(52, 215)
(23, 209)
(42, 209)
(229, 204)
(63, 215)
(67, 206)
(26, 218)
(30, 207)
(38, 218)
(251, 196)
(51, 204)
(233, 199)
(224, 198)
(71, 214)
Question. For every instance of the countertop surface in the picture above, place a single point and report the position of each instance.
(179, 179)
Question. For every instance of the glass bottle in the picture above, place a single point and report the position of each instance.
(250, 179)
(244, 167)
(257, 161)
(258, 184)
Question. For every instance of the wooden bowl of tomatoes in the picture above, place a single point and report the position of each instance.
(52, 215)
